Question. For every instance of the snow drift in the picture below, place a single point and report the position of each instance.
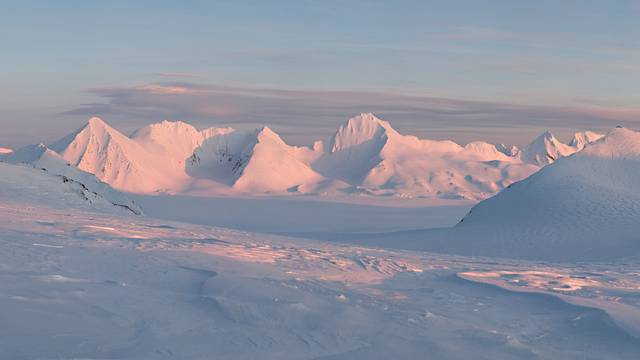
(583, 207)
(51, 174)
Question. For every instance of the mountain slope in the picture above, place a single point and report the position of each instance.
(366, 155)
(373, 157)
(545, 149)
(583, 207)
(581, 139)
(50, 170)
(255, 162)
(175, 140)
(99, 149)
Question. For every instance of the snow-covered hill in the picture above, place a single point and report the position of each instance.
(365, 156)
(583, 207)
(37, 172)
(83, 284)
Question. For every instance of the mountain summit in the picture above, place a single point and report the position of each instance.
(366, 155)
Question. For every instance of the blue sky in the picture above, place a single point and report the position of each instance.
(505, 69)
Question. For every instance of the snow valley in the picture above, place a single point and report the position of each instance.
(366, 156)
(84, 274)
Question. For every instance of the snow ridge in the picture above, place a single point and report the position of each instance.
(585, 206)
(86, 185)
(366, 155)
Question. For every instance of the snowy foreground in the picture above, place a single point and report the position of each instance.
(80, 284)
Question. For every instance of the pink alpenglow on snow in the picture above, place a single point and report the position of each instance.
(366, 156)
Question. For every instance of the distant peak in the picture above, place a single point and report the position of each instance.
(172, 123)
(366, 118)
(619, 142)
(547, 135)
(165, 129)
(265, 132)
(366, 121)
(96, 121)
(581, 139)
(360, 129)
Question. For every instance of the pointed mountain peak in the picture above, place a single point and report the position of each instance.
(547, 135)
(367, 120)
(365, 127)
(95, 126)
(97, 122)
(545, 139)
(265, 133)
(545, 149)
(370, 117)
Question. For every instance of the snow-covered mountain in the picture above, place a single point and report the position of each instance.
(545, 149)
(585, 207)
(151, 160)
(174, 140)
(52, 173)
(114, 158)
(366, 155)
(369, 154)
(5, 150)
(581, 139)
(256, 162)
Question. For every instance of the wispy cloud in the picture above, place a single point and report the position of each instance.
(167, 90)
(302, 116)
(470, 33)
(176, 74)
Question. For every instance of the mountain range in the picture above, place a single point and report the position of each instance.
(366, 155)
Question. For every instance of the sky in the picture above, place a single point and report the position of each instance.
(501, 71)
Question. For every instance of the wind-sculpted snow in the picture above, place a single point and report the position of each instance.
(365, 156)
(65, 178)
(80, 284)
(583, 207)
